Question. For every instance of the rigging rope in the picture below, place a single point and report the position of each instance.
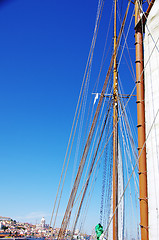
(90, 56)
(90, 171)
(128, 113)
(104, 174)
(104, 56)
(127, 131)
(96, 133)
(98, 18)
(127, 152)
(60, 180)
(132, 171)
(85, 211)
(79, 173)
(95, 118)
(125, 43)
(143, 145)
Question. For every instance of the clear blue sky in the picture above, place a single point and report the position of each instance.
(43, 51)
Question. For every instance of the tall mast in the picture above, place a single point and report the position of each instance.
(115, 136)
(141, 123)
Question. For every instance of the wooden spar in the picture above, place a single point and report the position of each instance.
(115, 136)
(141, 125)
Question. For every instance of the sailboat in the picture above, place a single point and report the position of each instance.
(107, 114)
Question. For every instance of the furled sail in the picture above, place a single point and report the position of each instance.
(151, 70)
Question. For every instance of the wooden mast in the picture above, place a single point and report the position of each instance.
(115, 135)
(141, 123)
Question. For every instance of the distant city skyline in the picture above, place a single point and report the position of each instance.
(13, 229)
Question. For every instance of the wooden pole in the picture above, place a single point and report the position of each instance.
(115, 137)
(141, 124)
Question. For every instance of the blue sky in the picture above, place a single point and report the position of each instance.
(44, 47)
(43, 51)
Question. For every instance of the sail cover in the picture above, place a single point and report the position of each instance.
(151, 62)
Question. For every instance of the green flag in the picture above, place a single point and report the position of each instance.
(99, 230)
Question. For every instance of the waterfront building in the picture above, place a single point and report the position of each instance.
(5, 218)
(43, 222)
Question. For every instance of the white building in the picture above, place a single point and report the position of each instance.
(43, 222)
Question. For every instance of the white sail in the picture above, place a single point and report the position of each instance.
(151, 62)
